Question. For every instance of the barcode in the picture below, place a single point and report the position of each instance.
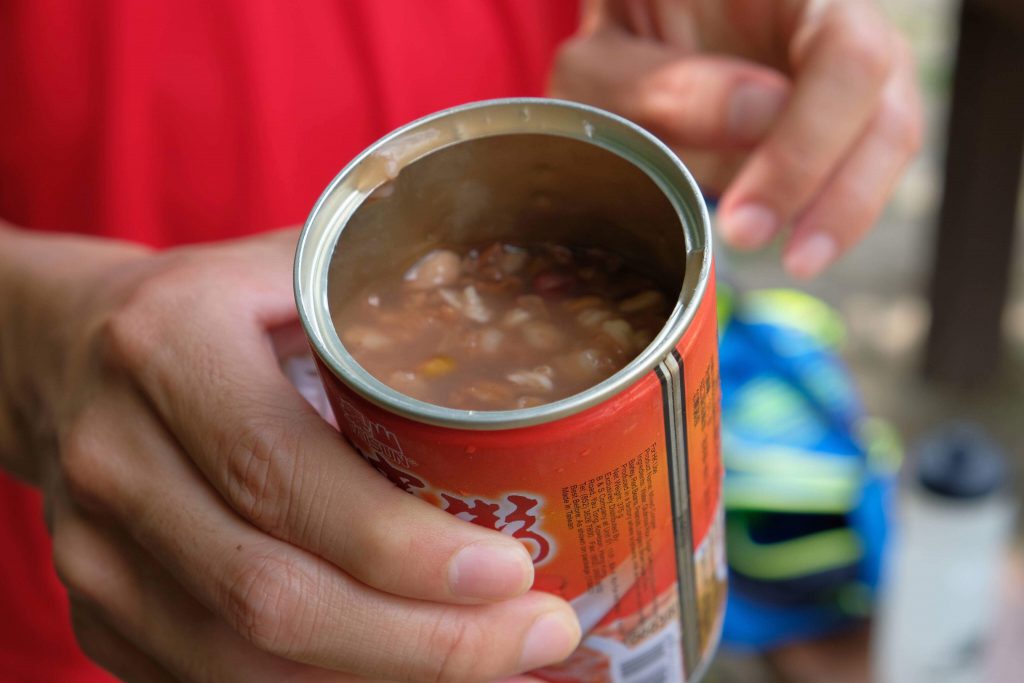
(649, 665)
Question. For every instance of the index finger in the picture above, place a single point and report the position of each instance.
(219, 389)
(841, 54)
(277, 597)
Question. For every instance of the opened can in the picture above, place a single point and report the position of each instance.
(616, 491)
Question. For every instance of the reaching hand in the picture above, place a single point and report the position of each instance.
(802, 113)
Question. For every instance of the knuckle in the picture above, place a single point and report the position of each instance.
(83, 467)
(864, 40)
(654, 100)
(370, 565)
(573, 69)
(902, 53)
(67, 565)
(131, 331)
(674, 96)
(904, 99)
(76, 570)
(899, 128)
(124, 337)
(869, 53)
(455, 650)
(911, 136)
(128, 335)
(792, 172)
(261, 470)
(569, 58)
(267, 603)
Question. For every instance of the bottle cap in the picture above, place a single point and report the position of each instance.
(961, 460)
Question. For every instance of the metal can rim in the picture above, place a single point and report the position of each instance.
(319, 236)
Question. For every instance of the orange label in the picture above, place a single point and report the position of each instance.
(619, 504)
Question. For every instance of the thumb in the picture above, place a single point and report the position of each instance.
(693, 101)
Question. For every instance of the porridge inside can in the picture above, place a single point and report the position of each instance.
(552, 197)
(516, 241)
(500, 326)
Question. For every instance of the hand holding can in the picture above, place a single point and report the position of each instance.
(209, 525)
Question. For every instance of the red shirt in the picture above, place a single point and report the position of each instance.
(196, 120)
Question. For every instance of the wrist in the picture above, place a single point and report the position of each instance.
(45, 282)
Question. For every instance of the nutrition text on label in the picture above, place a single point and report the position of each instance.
(604, 508)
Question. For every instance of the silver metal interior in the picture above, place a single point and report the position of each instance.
(522, 188)
(515, 170)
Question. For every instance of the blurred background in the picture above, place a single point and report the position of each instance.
(883, 290)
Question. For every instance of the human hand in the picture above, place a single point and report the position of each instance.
(803, 113)
(208, 525)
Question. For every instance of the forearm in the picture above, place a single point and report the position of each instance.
(44, 283)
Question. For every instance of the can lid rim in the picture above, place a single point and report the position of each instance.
(311, 261)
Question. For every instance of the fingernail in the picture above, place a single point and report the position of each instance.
(490, 571)
(811, 255)
(753, 109)
(749, 226)
(551, 639)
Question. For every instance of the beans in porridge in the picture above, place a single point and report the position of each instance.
(501, 326)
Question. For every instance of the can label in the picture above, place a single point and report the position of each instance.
(619, 505)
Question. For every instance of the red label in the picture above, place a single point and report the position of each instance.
(589, 495)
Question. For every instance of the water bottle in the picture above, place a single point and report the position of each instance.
(939, 599)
